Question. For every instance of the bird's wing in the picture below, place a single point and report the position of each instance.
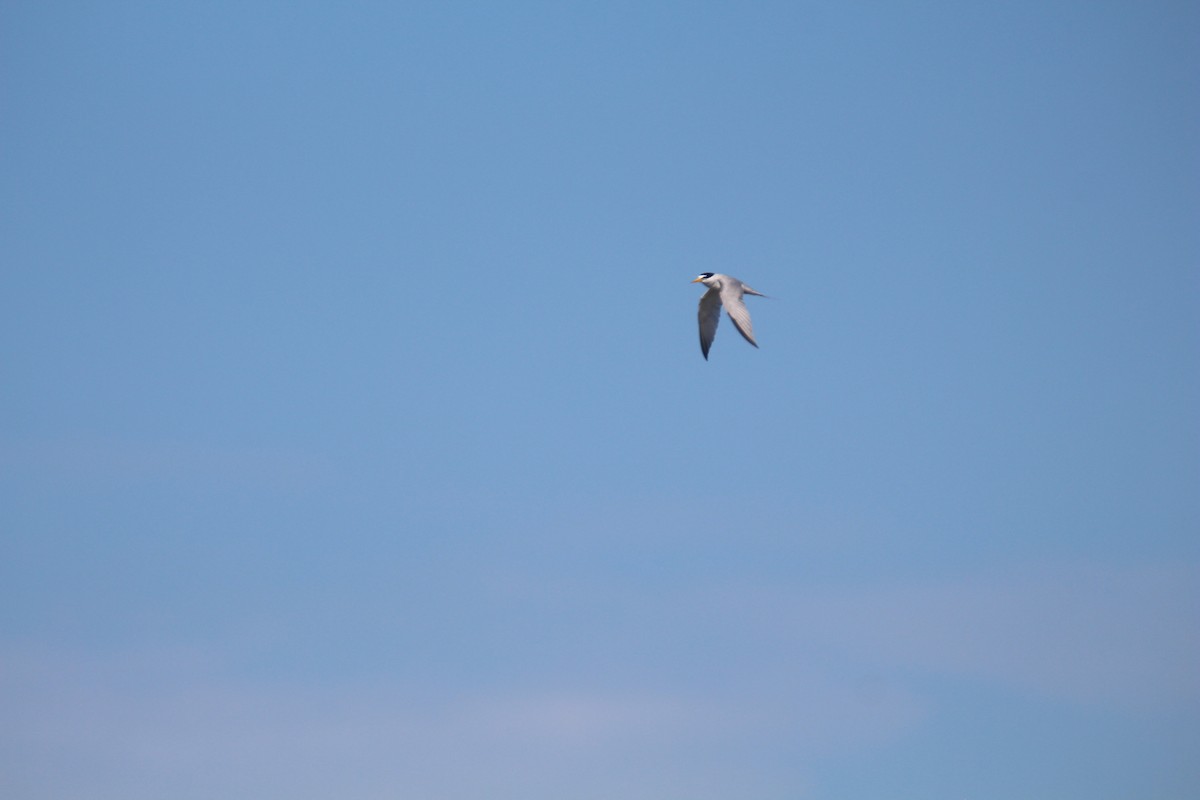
(731, 296)
(710, 315)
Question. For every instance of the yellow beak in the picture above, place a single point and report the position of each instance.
(697, 280)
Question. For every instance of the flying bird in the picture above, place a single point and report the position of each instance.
(727, 291)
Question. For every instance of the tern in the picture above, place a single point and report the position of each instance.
(727, 291)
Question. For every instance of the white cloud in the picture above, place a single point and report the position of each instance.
(1117, 638)
(175, 722)
(765, 684)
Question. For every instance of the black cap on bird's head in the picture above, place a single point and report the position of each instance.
(703, 277)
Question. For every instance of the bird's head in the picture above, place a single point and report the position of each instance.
(707, 278)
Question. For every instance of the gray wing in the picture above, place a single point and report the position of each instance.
(710, 315)
(731, 296)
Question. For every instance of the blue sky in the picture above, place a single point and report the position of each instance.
(355, 438)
